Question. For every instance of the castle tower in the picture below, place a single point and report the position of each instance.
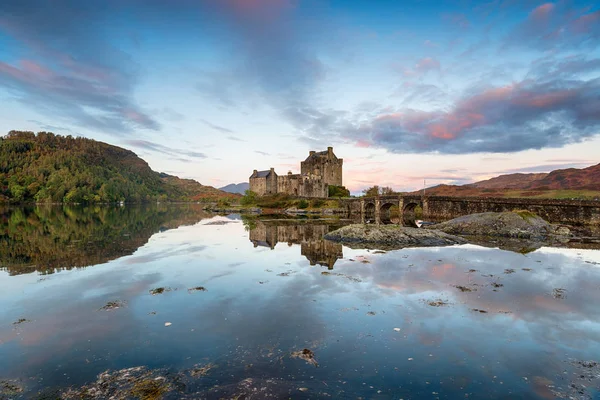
(323, 165)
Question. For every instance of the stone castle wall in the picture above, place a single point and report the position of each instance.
(302, 186)
(289, 184)
(258, 186)
(272, 183)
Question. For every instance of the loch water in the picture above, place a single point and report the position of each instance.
(240, 299)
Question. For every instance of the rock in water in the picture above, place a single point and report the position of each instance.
(517, 224)
(391, 237)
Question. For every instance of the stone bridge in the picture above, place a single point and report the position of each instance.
(437, 208)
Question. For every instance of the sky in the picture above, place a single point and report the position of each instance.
(406, 92)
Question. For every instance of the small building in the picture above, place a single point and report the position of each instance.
(263, 182)
(317, 173)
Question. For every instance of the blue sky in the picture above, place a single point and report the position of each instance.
(447, 91)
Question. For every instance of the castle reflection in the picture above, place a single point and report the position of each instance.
(309, 236)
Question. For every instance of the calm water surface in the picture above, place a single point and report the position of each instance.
(423, 323)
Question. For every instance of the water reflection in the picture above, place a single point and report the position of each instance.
(376, 324)
(308, 235)
(53, 238)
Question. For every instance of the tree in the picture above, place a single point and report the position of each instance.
(303, 204)
(372, 191)
(386, 191)
(378, 191)
(338, 191)
(249, 198)
(17, 192)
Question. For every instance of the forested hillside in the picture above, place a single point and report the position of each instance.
(46, 168)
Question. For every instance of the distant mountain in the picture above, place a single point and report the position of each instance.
(510, 181)
(572, 178)
(49, 168)
(572, 182)
(236, 187)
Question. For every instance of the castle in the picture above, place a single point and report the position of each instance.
(319, 171)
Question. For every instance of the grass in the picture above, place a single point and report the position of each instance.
(553, 194)
(283, 201)
(580, 194)
(525, 214)
(149, 389)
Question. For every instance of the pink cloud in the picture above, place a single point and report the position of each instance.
(586, 23)
(422, 67)
(457, 19)
(427, 64)
(257, 11)
(13, 72)
(136, 116)
(542, 12)
(481, 109)
(545, 100)
(31, 76)
(33, 68)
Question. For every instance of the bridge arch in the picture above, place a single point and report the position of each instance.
(370, 213)
(392, 209)
(410, 214)
(389, 212)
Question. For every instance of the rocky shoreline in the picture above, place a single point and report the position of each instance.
(521, 230)
(388, 237)
(515, 224)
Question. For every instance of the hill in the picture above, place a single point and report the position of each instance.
(562, 183)
(572, 178)
(514, 181)
(47, 168)
(236, 187)
(194, 191)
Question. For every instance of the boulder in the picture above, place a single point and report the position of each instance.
(516, 224)
(390, 237)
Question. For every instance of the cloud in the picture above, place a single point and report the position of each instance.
(557, 26)
(273, 57)
(457, 19)
(66, 68)
(573, 66)
(216, 127)
(221, 87)
(158, 148)
(420, 68)
(421, 93)
(171, 115)
(50, 128)
(91, 82)
(262, 153)
(520, 116)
